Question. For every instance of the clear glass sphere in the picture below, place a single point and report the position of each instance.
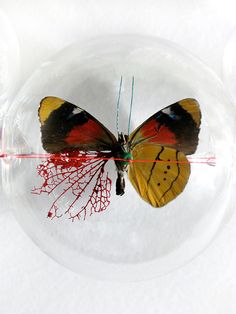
(130, 240)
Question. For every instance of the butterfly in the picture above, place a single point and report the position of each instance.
(154, 155)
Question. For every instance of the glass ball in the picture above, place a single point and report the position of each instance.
(130, 240)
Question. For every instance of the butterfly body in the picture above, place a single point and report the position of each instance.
(122, 155)
(154, 154)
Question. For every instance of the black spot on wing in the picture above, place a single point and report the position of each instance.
(178, 173)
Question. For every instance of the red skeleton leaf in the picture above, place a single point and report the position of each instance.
(69, 176)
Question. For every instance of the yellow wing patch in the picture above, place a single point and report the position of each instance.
(192, 107)
(47, 105)
(159, 182)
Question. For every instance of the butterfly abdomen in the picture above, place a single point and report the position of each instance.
(120, 183)
(122, 163)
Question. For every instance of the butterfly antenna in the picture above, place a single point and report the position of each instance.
(131, 105)
(118, 106)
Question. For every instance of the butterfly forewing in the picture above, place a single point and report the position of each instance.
(161, 173)
(176, 126)
(66, 127)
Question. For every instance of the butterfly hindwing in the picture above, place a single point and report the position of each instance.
(65, 126)
(158, 182)
(175, 126)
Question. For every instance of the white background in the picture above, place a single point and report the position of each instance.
(30, 282)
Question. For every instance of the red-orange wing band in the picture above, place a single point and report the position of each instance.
(176, 126)
(66, 127)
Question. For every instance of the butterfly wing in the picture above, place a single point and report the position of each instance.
(176, 126)
(65, 126)
(162, 181)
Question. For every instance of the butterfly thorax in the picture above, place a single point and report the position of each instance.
(121, 152)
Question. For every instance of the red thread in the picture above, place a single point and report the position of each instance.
(77, 158)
